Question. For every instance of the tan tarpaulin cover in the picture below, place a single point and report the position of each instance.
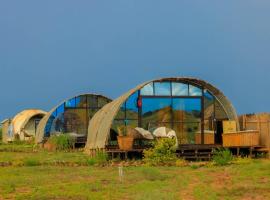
(21, 119)
(41, 126)
(100, 124)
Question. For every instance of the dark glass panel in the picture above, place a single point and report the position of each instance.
(76, 121)
(179, 89)
(156, 112)
(148, 89)
(162, 89)
(219, 111)
(102, 101)
(81, 101)
(131, 107)
(195, 91)
(92, 101)
(209, 111)
(92, 112)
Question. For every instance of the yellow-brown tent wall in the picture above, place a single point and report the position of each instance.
(100, 124)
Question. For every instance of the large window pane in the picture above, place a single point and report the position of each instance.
(76, 121)
(155, 112)
(209, 111)
(162, 88)
(187, 119)
(131, 107)
(179, 89)
(148, 89)
(195, 91)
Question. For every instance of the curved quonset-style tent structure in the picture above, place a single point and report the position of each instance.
(24, 125)
(191, 107)
(71, 116)
(5, 124)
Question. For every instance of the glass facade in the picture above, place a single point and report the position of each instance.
(73, 116)
(188, 109)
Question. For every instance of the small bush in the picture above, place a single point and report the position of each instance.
(162, 153)
(152, 174)
(62, 141)
(222, 157)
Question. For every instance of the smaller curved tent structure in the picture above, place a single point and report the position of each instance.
(23, 126)
(191, 107)
(5, 129)
(71, 116)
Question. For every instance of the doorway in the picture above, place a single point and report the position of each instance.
(219, 132)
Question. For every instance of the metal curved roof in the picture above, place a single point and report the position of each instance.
(44, 120)
(22, 118)
(100, 124)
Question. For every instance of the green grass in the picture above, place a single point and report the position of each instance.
(73, 175)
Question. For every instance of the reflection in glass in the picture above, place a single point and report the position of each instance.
(219, 111)
(131, 107)
(148, 89)
(187, 119)
(179, 89)
(73, 116)
(209, 111)
(195, 91)
(92, 101)
(162, 89)
(155, 112)
(71, 103)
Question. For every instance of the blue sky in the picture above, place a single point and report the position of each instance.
(54, 49)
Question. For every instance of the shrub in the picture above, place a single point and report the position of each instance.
(62, 141)
(162, 153)
(222, 157)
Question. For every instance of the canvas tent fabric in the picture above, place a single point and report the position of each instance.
(100, 124)
(22, 123)
(42, 125)
(5, 130)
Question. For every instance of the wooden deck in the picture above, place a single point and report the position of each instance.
(189, 152)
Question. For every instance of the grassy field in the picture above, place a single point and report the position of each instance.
(44, 175)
